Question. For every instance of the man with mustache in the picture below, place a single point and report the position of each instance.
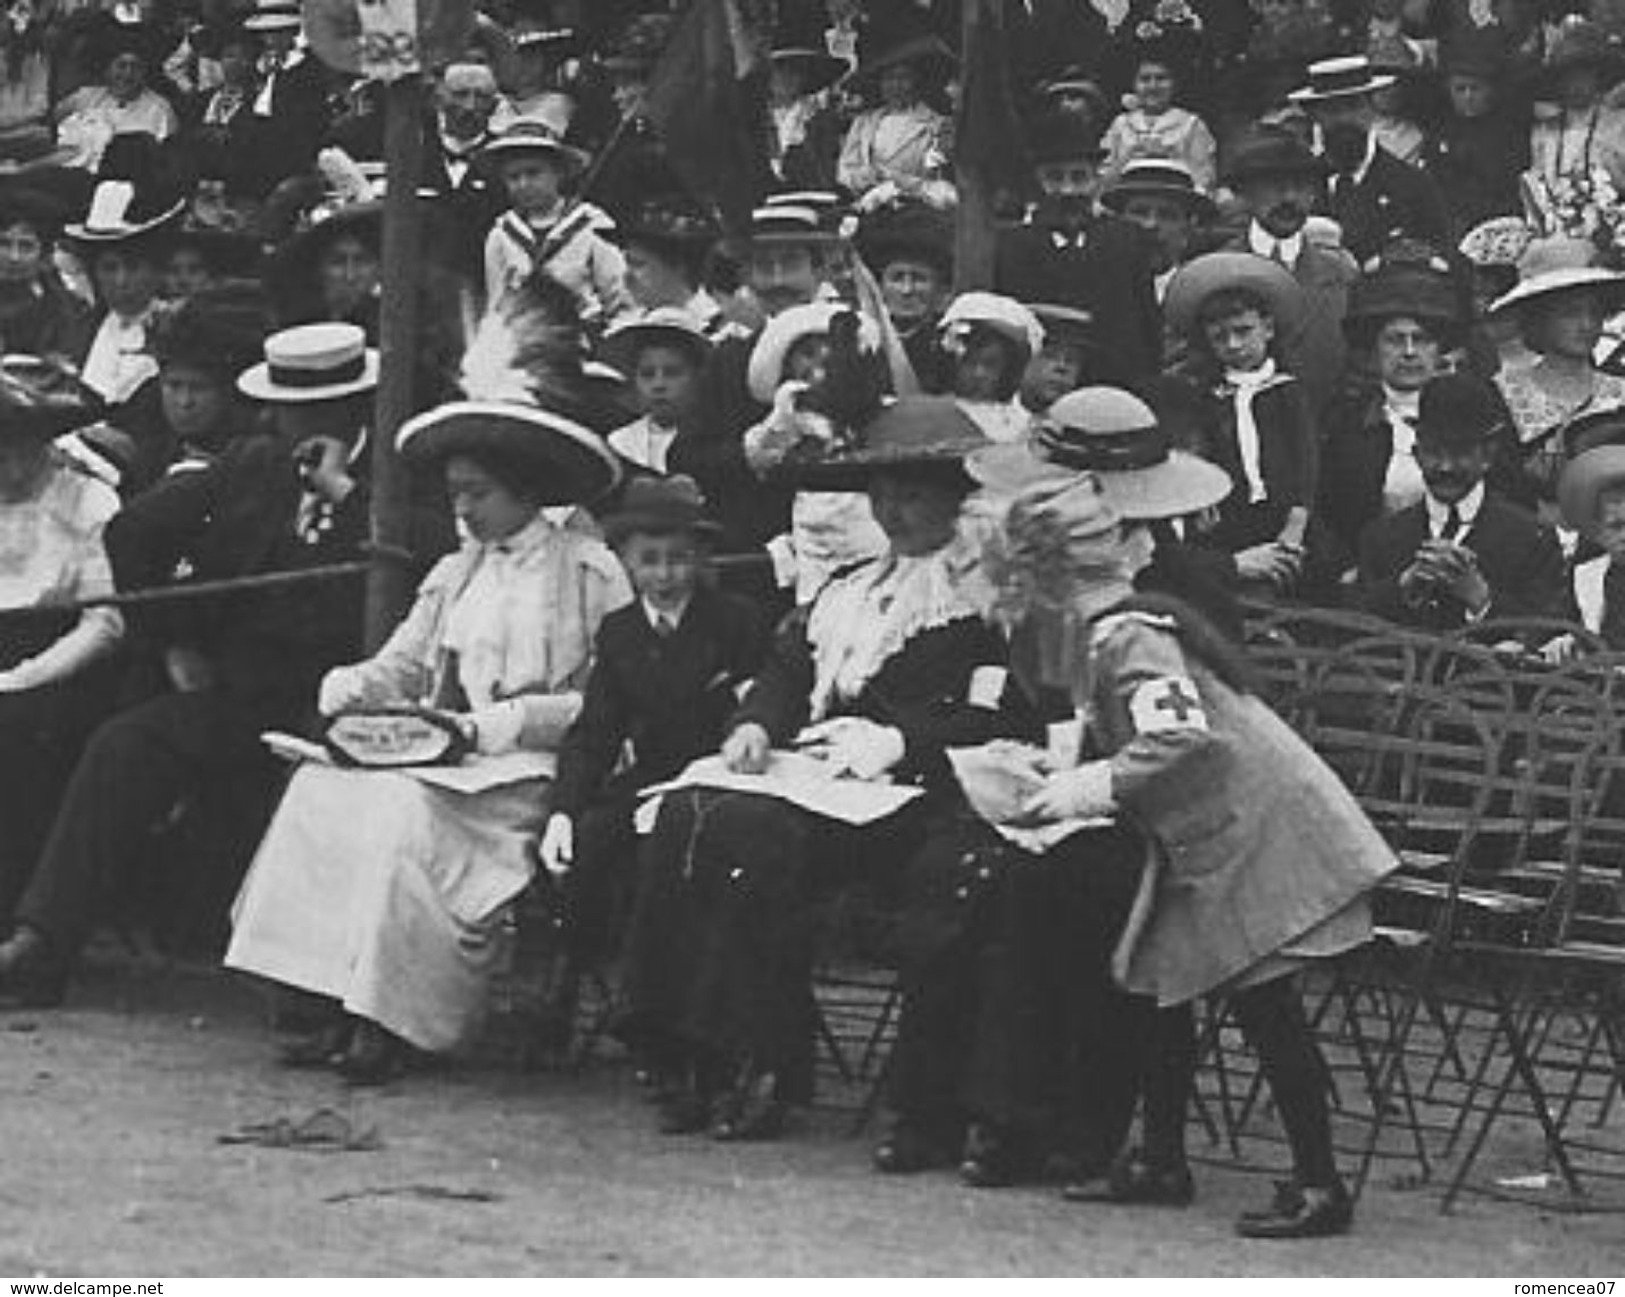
(1280, 182)
(1460, 554)
(1374, 196)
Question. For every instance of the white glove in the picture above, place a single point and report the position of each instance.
(11, 683)
(854, 746)
(342, 688)
(558, 847)
(1081, 793)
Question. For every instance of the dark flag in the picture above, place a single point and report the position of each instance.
(988, 136)
(707, 100)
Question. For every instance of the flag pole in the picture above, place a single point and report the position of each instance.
(975, 236)
(389, 581)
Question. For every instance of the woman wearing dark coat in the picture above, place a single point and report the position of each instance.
(888, 667)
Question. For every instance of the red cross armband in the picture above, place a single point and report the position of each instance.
(1167, 703)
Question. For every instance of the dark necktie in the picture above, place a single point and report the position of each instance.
(1453, 525)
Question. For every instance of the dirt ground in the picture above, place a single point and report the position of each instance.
(110, 1165)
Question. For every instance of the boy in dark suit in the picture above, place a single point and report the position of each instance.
(1461, 554)
(665, 679)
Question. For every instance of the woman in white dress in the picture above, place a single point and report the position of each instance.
(385, 894)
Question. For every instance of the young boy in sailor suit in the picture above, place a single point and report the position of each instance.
(542, 231)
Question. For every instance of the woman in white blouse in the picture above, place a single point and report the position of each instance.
(52, 691)
(382, 893)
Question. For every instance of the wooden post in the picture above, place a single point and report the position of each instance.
(389, 583)
(975, 236)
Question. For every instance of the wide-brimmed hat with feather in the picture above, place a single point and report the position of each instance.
(526, 402)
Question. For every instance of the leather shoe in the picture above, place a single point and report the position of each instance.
(990, 1159)
(1133, 1180)
(752, 1112)
(1301, 1212)
(908, 1150)
(375, 1057)
(31, 977)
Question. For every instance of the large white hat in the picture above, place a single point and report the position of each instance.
(1115, 435)
(1339, 78)
(120, 211)
(312, 362)
(1559, 265)
(1004, 315)
(784, 330)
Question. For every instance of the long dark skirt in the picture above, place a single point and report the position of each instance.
(1007, 982)
(724, 931)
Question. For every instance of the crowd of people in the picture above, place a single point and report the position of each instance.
(1299, 301)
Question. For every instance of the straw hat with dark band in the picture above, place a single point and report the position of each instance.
(1110, 432)
(312, 362)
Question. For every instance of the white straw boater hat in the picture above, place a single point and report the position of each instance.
(274, 15)
(1339, 78)
(120, 211)
(526, 404)
(312, 362)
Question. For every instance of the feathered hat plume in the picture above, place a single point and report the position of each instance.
(526, 399)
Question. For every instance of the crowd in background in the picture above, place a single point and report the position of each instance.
(1286, 300)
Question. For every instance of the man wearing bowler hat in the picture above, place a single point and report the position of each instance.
(1460, 554)
(1280, 182)
(1374, 196)
(1160, 196)
(1069, 255)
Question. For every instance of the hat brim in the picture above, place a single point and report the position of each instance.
(1583, 480)
(1198, 280)
(618, 526)
(257, 383)
(936, 61)
(821, 70)
(1116, 197)
(272, 23)
(1182, 484)
(570, 158)
(1553, 282)
(622, 342)
(854, 470)
(1376, 81)
(79, 232)
(571, 462)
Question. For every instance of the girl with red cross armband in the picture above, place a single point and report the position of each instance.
(1257, 857)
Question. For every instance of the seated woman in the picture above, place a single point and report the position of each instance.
(897, 148)
(890, 665)
(1560, 302)
(52, 685)
(382, 893)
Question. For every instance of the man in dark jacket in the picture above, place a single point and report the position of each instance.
(236, 665)
(1462, 554)
(1374, 196)
(1069, 255)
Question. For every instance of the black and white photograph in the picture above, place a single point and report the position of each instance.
(812, 639)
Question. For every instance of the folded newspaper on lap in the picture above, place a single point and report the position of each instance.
(998, 778)
(802, 781)
(475, 774)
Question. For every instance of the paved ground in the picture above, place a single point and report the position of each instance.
(110, 1165)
